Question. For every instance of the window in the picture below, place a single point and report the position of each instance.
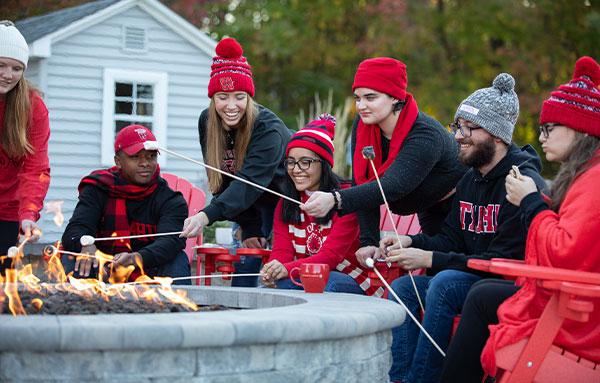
(133, 97)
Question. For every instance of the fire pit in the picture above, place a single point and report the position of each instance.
(286, 336)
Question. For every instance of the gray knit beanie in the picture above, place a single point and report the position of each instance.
(495, 109)
(12, 43)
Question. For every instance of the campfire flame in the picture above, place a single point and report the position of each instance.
(22, 278)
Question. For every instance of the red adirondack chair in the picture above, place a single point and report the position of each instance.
(536, 359)
(195, 199)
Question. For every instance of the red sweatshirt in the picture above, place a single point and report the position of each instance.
(308, 242)
(24, 183)
(566, 240)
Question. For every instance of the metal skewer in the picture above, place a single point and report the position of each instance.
(371, 264)
(88, 240)
(153, 145)
(369, 154)
(197, 277)
(53, 249)
(14, 250)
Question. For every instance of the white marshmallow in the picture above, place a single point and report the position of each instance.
(370, 262)
(87, 240)
(13, 251)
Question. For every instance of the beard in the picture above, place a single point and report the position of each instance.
(481, 153)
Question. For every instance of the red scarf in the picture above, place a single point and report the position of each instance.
(370, 135)
(119, 191)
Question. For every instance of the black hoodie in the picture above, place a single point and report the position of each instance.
(482, 223)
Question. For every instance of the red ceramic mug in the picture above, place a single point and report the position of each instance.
(313, 276)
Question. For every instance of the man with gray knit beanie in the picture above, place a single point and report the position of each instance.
(482, 224)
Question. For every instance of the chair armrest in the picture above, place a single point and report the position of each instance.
(517, 269)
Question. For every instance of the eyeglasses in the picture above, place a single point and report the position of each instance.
(303, 163)
(465, 131)
(547, 128)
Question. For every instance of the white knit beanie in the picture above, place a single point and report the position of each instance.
(12, 43)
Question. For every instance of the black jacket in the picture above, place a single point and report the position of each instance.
(163, 211)
(425, 170)
(263, 165)
(482, 223)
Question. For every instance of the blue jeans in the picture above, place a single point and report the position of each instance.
(250, 265)
(338, 283)
(414, 358)
(178, 267)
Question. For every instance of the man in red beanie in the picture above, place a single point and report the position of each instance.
(129, 199)
(415, 156)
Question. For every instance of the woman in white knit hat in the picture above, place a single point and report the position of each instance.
(24, 134)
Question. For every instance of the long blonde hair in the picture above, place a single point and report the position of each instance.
(17, 117)
(216, 143)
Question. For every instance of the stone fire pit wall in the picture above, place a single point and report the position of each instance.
(287, 337)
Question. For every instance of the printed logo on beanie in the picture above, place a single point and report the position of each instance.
(469, 109)
(227, 83)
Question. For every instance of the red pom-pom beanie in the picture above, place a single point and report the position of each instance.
(317, 136)
(577, 103)
(230, 70)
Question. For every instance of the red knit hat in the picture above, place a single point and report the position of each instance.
(577, 103)
(383, 74)
(317, 136)
(230, 70)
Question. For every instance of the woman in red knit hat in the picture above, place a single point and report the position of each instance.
(415, 157)
(562, 232)
(242, 138)
(300, 238)
(24, 166)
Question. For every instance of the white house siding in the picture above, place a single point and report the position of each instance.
(74, 81)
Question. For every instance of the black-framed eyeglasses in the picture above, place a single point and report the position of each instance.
(465, 131)
(303, 163)
(546, 128)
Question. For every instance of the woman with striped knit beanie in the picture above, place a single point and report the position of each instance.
(243, 138)
(25, 130)
(300, 238)
(562, 232)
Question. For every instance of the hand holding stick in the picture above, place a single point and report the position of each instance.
(368, 153)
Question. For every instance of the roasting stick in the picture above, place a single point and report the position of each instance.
(153, 145)
(197, 277)
(371, 264)
(83, 255)
(88, 240)
(14, 250)
(369, 154)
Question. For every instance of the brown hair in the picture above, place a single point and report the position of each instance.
(17, 117)
(578, 161)
(215, 141)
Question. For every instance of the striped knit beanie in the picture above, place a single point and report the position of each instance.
(577, 103)
(230, 71)
(317, 136)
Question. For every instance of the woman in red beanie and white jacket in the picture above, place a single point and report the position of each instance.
(24, 166)
(563, 233)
